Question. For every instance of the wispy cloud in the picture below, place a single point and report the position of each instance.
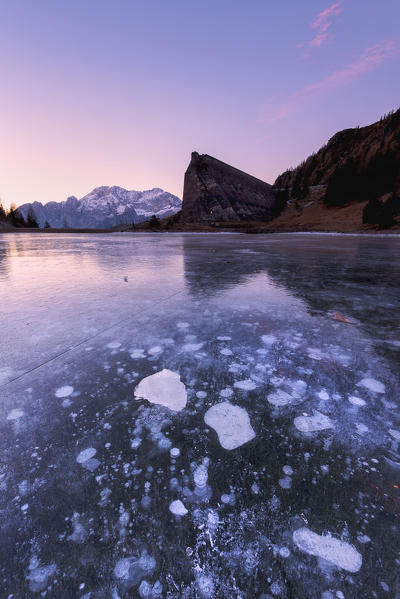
(369, 59)
(321, 24)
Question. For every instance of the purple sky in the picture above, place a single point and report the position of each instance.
(97, 92)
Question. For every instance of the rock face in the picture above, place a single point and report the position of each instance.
(105, 207)
(214, 191)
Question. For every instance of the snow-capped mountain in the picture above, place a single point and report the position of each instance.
(105, 207)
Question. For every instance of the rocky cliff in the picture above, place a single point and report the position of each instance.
(214, 192)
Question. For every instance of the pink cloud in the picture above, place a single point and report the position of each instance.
(322, 24)
(369, 59)
(322, 20)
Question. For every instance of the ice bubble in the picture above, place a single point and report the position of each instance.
(395, 434)
(205, 585)
(356, 401)
(231, 423)
(85, 455)
(183, 325)
(227, 392)
(333, 550)
(155, 350)
(285, 483)
(288, 470)
(113, 345)
(192, 346)
(279, 398)
(201, 394)
(15, 414)
(177, 508)
(145, 590)
(323, 395)
(372, 385)
(226, 352)
(311, 424)
(38, 577)
(268, 339)
(361, 428)
(284, 551)
(226, 338)
(137, 353)
(64, 391)
(175, 452)
(246, 385)
(164, 388)
(200, 476)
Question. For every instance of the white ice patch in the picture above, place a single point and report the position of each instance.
(226, 338)
(231, 423)
(64, 391)
(137, 353)
(361, 428)
(311, 424)
(279, 398)
(356, 401)
(177, 508)
(113, 345)
(85, 455)
(372, 385)
(157, 349)
(164, 388)
(183, 325)
(323, 395)
(227, 392)
(395, 434)
(338, 552)
(226, 352)
(192, 346)
(15, 414)
(268, 339)
(246, 385)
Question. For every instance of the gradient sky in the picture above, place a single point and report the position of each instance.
(97, 92)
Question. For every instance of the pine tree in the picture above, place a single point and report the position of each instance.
(154, 222)
(15, 217)
(47, 225)
(3, 214)
(31, 221)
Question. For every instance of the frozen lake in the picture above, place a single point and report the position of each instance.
(261, 461)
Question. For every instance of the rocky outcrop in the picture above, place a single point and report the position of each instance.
(214, 192)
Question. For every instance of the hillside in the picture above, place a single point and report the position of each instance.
(358, 167)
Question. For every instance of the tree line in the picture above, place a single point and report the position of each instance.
(15, 218)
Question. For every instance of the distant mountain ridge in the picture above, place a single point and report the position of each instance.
(104, 207)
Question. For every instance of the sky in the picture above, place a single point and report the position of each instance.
(120, 92)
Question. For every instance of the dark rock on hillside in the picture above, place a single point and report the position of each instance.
(214, 191)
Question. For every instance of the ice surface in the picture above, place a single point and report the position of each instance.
(177, 508)
(164, 388)
(314, 423)
(327, 547)
(231, 423)
(274, 300)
